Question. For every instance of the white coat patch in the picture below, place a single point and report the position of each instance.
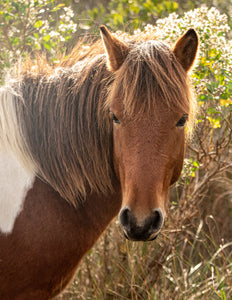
(15, 182)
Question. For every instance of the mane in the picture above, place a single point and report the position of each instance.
(61, 128)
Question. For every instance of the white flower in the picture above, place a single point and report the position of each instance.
(54, 33)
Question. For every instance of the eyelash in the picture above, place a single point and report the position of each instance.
(114, 118)
(182, 121)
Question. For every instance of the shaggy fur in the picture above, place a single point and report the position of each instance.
(64, 131)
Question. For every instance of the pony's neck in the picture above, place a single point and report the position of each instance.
(87, 222)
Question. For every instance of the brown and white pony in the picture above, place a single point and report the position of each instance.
(105, 131)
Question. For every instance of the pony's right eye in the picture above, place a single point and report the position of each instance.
(115, 119)
(182, 121)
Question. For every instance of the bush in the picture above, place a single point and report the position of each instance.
(127, 14)
(29, 26)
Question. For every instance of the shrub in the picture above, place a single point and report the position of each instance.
(127, 14)
(29, 26)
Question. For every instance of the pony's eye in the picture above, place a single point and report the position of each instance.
(115, 119)
(182, 121)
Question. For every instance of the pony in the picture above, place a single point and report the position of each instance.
(100, 135)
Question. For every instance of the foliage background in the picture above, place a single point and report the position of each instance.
(192, 258)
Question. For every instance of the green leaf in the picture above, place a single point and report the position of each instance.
(196, 164)
(38, 24)
(48, 46)
(46, 38)
(36, 35)
(210, 88)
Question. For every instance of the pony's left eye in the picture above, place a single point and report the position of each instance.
(182, 121)
(115, 119)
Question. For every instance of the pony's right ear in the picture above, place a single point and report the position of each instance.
(186, 48)
(115, 49)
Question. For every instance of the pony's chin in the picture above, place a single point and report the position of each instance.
(151, 238)
(125, 235)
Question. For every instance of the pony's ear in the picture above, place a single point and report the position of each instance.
(185, 49)
(115, 49)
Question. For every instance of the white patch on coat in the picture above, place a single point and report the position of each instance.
(16, 174)
(11, 135)
(15, 182)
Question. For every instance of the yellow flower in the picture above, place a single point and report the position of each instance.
(214, 122)
(225, 102)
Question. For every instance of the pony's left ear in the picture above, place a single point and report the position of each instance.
(115, 49)
(186, 48)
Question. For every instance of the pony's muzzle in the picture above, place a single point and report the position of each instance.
(145, 231)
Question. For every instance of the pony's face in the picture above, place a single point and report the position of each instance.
(148, 158)
(149, 144)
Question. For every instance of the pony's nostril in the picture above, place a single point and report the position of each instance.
(157, 219)
(124, 216)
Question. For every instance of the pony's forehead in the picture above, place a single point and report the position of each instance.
(143, 49)
(151, 78)
(148, 44)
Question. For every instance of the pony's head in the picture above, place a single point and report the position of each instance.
(150, 102)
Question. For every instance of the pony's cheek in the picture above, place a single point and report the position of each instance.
(117, 152)
(176, 174)
(116, 165)
(176, 163)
